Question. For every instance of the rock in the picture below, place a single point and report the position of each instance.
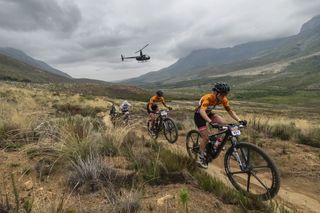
(28, 185)
(162, 200)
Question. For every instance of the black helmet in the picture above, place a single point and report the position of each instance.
(221, 87)
(159, 93)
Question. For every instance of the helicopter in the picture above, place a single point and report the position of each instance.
(142, 57)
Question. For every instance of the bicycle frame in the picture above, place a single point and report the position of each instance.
(160, 118)
(228, 136)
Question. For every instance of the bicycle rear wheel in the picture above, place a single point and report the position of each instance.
(126, 119)
(193, 144)
(113, 120)
(170, 130)
(258, 175)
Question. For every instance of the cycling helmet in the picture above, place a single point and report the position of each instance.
(125, 102)
(221, 87)
(159, 93)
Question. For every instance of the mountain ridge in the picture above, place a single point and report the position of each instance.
(210, 61)
(23, 57)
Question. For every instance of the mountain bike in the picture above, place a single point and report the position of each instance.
(165, 124)
(119, 118)
(249, 169)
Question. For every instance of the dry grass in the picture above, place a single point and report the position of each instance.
(85, 146)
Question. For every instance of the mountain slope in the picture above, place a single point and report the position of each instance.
(15, 70)
(205, 62)
(21, 56)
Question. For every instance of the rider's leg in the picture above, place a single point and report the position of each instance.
(155, 109)
(202, 162)
(152, 118)
(201, 124)
(202, 127)
(217, 119)
(204, 138)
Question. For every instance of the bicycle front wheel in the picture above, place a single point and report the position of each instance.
(252, 171)
(170, 130)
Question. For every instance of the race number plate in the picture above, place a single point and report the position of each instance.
(235, 132)
(164, 113)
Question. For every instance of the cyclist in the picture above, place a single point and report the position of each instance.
(113, 110)
(125, 110)
(125, 106)
(203, 114)
(153, 108)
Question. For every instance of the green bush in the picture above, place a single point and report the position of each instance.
(284, 131)
(79, 137)
(174, 162)
(312, 138)
(228, 195)
(107, 146)
(77, 109)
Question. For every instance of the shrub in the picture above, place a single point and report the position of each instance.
(127, 202)
(12, 136)
(284, 131)
(79, 137)
(228, 195)
(77, 109)
(86, 173)
(311, 138)
(184, 198)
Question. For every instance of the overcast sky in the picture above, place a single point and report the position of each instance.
(85, 38)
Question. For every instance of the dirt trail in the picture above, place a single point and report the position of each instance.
(287, 195)
(303, 201)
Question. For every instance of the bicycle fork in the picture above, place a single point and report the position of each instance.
(237, 156)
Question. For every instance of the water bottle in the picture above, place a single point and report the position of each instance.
(218, 142)
(210, 145)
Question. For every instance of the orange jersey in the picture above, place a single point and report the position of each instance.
(209, 101)
(155, 99)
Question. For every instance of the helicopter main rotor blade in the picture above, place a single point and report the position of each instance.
(142, 48)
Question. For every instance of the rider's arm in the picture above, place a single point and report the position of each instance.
(225, 103)
(164, 103)
(204, 115)
(233, 115)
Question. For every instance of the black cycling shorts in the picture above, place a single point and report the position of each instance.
(154, 108)
(199, 121)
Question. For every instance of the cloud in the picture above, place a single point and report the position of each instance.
(76, 36)
(32, 15)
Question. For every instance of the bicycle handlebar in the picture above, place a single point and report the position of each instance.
(163, 110)
(226, 126)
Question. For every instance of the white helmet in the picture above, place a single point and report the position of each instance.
(125, 102)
